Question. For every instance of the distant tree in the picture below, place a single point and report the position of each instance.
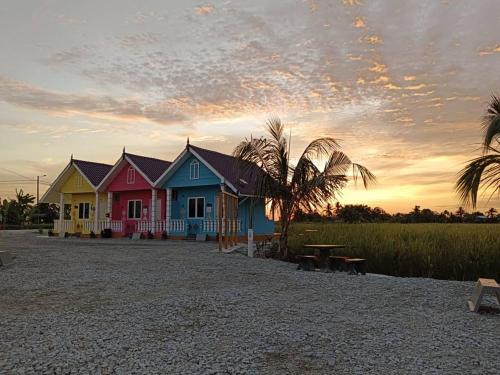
(329, 210)
(484, 171)
(460, 213)
(491, 213)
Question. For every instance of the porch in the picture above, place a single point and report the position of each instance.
(174, 227)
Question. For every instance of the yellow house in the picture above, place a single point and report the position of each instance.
(82, 209)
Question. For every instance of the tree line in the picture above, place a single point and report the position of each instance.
(22, 210)
(361, 213)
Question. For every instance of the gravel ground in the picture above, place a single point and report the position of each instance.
(85, 306)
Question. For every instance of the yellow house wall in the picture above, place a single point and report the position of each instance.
(76, 199)
(75, 185)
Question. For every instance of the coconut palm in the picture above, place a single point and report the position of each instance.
(302, 186)
(484, 171)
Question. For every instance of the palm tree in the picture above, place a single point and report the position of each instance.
(484, 171)
(302, 186)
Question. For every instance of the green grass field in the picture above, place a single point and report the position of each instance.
(441, 251)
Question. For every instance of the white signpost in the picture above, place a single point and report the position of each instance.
(250, 243)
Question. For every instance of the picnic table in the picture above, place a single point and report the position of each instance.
(322, 252)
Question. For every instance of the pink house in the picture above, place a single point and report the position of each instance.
(134, 204)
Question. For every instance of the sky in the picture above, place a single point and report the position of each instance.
(401, 84)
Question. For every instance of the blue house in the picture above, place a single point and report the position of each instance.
(195, 182)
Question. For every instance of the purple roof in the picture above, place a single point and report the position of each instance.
(151, 167)
(95, 172)
(228, 167)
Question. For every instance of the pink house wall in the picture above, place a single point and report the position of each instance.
(119, 183)
(121, 198)
(139, 190)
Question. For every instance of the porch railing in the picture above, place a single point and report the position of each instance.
(67, 226)
(143, 226)
(116, 226)
(212, 225)
(177, 225)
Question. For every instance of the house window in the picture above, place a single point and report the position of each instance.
(84, 210)
(79, 180)
(134, 209)
(196, 207)
(194, 170)
(174, 195)
(131, 176)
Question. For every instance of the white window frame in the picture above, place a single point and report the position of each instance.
(194, 170)
(135, 203)
(196, 208)
(83, 211)
(130, 175)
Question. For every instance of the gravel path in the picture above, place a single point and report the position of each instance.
(155, 307)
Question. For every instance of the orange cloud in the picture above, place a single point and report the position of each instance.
(490, 50)
(409, 78)
(359, 23)
(204, 9)
(392, 86)
(416, 87)
(378, 68)
(372, 39)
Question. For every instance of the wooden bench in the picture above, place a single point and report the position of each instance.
(356, 265)
(483, 286)
(307, 263)
(337, 263)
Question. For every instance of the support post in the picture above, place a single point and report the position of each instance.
(109, 209)
(226, 226)
(168, 210)
(61, 214)
(96, 213)
(153, 210)
(219, 219)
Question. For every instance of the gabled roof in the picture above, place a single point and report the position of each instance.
(150, 168)
(94, 172)
(226, 167)
(243, 179)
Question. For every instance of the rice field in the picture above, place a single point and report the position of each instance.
(440, 251)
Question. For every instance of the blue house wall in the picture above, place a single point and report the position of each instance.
(208, 185)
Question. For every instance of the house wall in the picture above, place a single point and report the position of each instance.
(74, 184)
(261, 224)
(76, 199)
(121, 198)
(181, 176)
(119, 183)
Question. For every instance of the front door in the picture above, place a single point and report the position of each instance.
(196, 214)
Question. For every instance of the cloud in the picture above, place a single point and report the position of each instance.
(359, 23)
(24, 95)
(490, 50)
(204, 9)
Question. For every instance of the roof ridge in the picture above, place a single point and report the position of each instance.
(93, 162)
(147, 157)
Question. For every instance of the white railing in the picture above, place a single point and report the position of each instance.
(67, 226)
(212, 225)
(117, 226)
(101, 225)
(143, 226)
(177, 225)
(161, 225)
(87, 225)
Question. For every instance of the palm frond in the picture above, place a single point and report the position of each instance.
(491, 122)
(484, 169)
